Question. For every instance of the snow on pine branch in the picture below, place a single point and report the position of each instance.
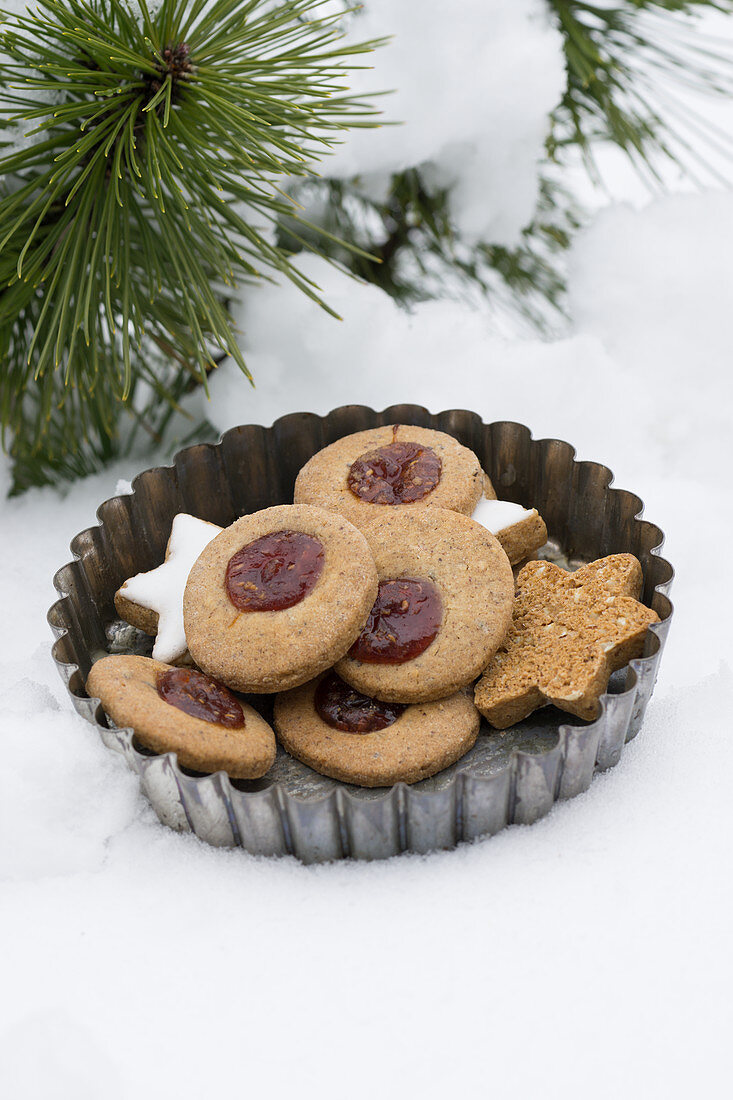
(474, 84)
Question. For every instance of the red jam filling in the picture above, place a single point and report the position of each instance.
(403, 622)
(274, 572)
(399, 473)
(200, 696)
(343, 708)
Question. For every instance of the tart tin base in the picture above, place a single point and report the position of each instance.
(509, 777)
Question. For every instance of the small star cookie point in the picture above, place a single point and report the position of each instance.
(619, 574)
(520, 530)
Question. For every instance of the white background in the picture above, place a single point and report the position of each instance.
(586, 955)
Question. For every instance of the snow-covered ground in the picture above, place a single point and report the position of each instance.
(586, 955)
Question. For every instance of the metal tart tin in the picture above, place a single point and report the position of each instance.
(512, 777)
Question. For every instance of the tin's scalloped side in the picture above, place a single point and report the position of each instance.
(252, 467)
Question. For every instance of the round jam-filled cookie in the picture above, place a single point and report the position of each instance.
(339, 732)
(443, 608)
(278, 597)
(182, 710)
(397, 466)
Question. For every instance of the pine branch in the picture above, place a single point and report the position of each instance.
(157, 140)
(625, 64)
(150, 185)
(410, 248)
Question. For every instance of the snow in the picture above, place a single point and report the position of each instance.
(586, 955)
(483, 136)
(473, 91)
(144, 963)
(15, 7)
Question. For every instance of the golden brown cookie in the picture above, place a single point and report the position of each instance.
(183, 711)
(394, 467)
(278, 597)
(570, 631)
(390, 744)
(489, 492)
(444, 606)
(143, 618)
(520, 531)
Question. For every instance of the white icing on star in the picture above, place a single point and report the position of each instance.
(497, 515)
(161, 589)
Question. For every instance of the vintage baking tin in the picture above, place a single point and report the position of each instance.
(507, 778)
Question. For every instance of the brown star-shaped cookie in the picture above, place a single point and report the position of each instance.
(569, 632)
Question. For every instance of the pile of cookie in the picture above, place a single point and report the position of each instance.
(383, 611)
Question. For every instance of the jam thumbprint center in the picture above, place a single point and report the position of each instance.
(274, 572)
(403, 622)
(200, 696)
(344, 708)
(399, 473)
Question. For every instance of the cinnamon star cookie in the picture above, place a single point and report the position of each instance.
(394, 467)
(443, 609)
(278, 597)
(183, 711)
(570, 631)
(153, 601)
(341, 733)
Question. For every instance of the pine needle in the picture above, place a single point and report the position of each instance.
(120, 214)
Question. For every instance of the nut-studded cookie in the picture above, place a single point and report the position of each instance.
(183, 711)
(520, 530)
(397, 466)
(570, 631)
(443, 609)
(278, 597)
(339, 732)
